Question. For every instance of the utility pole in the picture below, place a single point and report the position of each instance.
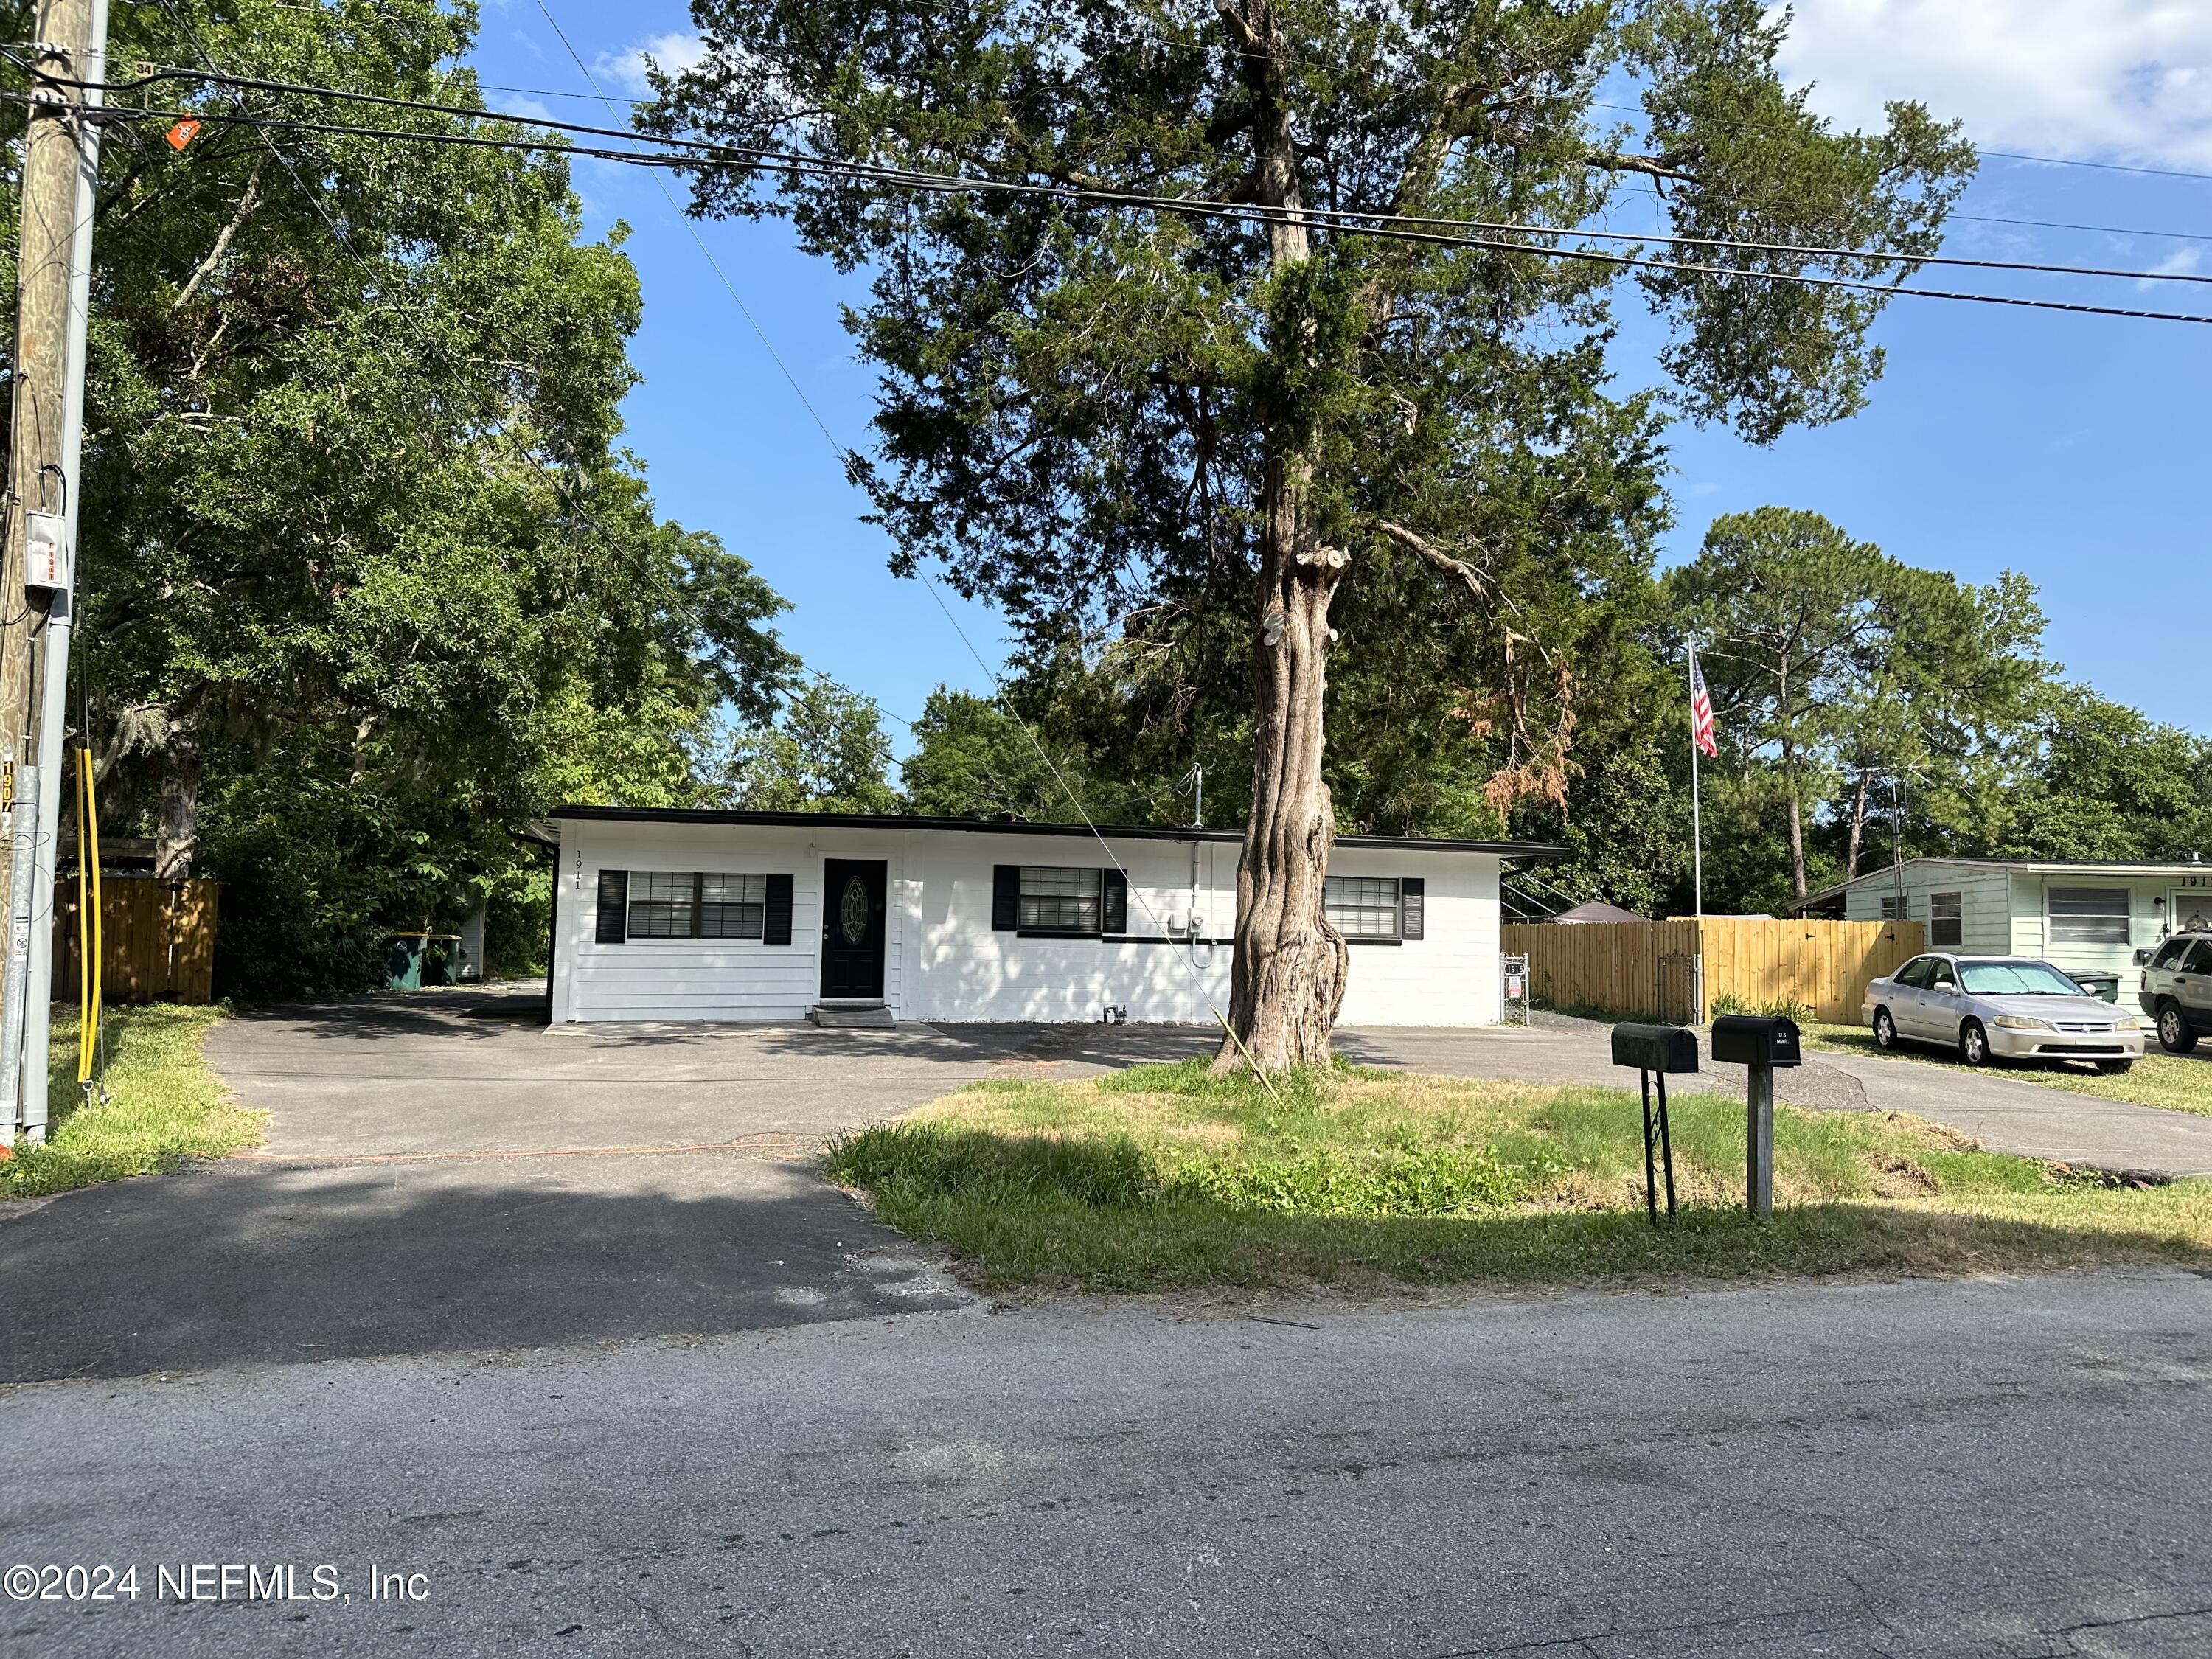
(37, 565)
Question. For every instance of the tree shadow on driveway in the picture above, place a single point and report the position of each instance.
(254, 1262)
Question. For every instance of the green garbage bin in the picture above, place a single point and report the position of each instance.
(403, 961)
(2106, 985)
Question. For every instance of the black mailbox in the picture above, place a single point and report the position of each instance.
(1655, 1048)
(1755, 1040)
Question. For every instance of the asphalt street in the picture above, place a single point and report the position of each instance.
(441, 1175)
(2009, 1468)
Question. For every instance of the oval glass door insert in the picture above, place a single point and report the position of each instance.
(853, 911)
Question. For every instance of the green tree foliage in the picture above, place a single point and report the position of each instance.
(366, 581)
(825, 751)
(2099, 780)
(972, 758)
(1844, 665)
(1198, 433)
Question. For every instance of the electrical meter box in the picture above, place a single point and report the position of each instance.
(46, 552)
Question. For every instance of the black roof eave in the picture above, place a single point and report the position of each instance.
(1519, 849)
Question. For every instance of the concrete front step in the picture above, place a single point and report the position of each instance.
(847, 1015)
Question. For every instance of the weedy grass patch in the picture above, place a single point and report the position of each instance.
(165, 1105)
(1164, 1177)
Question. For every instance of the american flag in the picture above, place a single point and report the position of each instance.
(1701, 709)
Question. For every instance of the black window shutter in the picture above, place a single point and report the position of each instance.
(775, 925)
(1005, 897)
(1413, 906)
(1114, 901)
(614, 907)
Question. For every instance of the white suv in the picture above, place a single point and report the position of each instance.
(2177, 991)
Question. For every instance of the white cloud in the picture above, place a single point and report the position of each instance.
(2188, 262)
(670, 53)
(2113, 80)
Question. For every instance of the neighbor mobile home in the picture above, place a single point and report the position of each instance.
(703, 916)
(2083, 918)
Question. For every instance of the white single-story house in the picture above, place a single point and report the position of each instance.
(671, 914)
(2083, 917)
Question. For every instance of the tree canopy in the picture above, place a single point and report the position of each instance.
(365, 580)
(1194, 429)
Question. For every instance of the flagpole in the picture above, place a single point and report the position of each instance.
(1696, 804)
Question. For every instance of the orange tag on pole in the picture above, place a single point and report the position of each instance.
(182, 133)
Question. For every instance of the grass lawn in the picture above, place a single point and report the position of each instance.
(1163, 1177)
(2182, 1082)
(165, 1105)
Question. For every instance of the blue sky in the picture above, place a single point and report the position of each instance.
(2072, 449)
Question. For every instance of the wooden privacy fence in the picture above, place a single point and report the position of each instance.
(1655, 970)
(157, 940)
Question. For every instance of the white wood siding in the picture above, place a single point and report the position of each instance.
(943, 962)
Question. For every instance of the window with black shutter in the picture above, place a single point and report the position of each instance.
(1114, 910)
(1414, 903)
(614, 907)
(1005, 897)
(776, 928)
(645, 904)
(1363, 908)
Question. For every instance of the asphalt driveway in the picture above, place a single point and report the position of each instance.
(442, 1174)
(2004, 1113)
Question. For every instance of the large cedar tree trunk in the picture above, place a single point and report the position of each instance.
(1288, 967)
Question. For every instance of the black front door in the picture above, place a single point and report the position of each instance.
(852, 927)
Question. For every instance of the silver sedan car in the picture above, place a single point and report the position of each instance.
(1999, 1008)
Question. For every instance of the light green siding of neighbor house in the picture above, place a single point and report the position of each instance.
(2085, 919)
(1976, 900)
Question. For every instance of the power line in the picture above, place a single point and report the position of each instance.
(1969, 218)
(839, 449)
(756, 156)
(2106, 230)
(2101, 167)
(2002, 154)
(1341, 221)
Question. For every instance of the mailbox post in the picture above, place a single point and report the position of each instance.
(1761, 1043)
(1655, 1050)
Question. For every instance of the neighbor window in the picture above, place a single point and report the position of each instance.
(1374, 908)
(1057, 899)
(2088, 915)
(1894, 907)
(1945, 926)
